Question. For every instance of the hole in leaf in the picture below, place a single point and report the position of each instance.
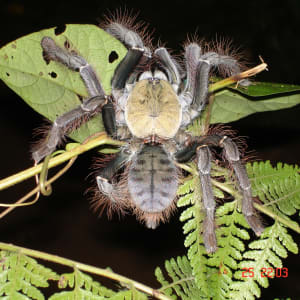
(7, 74)
(113, 56)
(53, 74)
(60, 29)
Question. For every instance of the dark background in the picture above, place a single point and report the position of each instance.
(63, 223)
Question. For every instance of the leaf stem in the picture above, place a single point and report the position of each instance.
(87, 268)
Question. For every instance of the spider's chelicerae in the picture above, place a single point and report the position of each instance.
(153, 101)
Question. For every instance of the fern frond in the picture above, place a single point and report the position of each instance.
(266, 253)
(183, 282)
(193, 216)
(231, 231)
(21, 276)
(216, 274)
(277, 187)
(83, 287)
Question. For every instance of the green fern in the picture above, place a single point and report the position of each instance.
(278, 187)
(265, 253)
(183, 282)
(190, 195)
(22, 276)
(83, 287)
(219, 275)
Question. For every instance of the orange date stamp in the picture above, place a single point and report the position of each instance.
(266, 272)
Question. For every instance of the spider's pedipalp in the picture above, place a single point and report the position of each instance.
(232, 155)
(192, 56)
(125, 68)
(170, 65)
(204, 166)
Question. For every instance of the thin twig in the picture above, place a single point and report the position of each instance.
(57, 160)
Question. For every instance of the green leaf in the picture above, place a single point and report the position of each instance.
(52, 89)
(264, 253)
(260, 89)
(277, 187)
(182, 280)
(230, 106)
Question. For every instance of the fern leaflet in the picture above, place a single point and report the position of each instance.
(265, 253)
(278, 187)
(21, 276)
(83, 287)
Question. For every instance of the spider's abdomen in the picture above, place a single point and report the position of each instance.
(152, 180)
(153, 109)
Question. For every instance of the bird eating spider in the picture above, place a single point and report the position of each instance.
(154, 99)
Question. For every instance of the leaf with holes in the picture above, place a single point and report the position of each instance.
(49, 87)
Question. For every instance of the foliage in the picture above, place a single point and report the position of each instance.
(52, 89)
(225, 274)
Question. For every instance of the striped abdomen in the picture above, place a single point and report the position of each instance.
(152, 180)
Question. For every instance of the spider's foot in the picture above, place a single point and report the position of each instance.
(41, 153)
(210, 241)
(255, 224)
(209, 236)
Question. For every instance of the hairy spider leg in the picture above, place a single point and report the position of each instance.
(198, 67)
(204, 167)
(96, 102)
(232, 155)
(105, 175)
(204, 160)
(97, 98)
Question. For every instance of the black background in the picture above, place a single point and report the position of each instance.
(63, 223)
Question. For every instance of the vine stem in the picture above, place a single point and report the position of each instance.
(87, 268)
(102, 139)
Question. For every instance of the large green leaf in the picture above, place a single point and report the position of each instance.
(52, 89)
(260, 89)
(231, 106)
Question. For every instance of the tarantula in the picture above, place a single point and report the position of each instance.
(153, 101)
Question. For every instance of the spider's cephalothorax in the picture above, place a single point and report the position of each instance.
(150, 110)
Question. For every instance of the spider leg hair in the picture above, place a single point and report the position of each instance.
(204, 167)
